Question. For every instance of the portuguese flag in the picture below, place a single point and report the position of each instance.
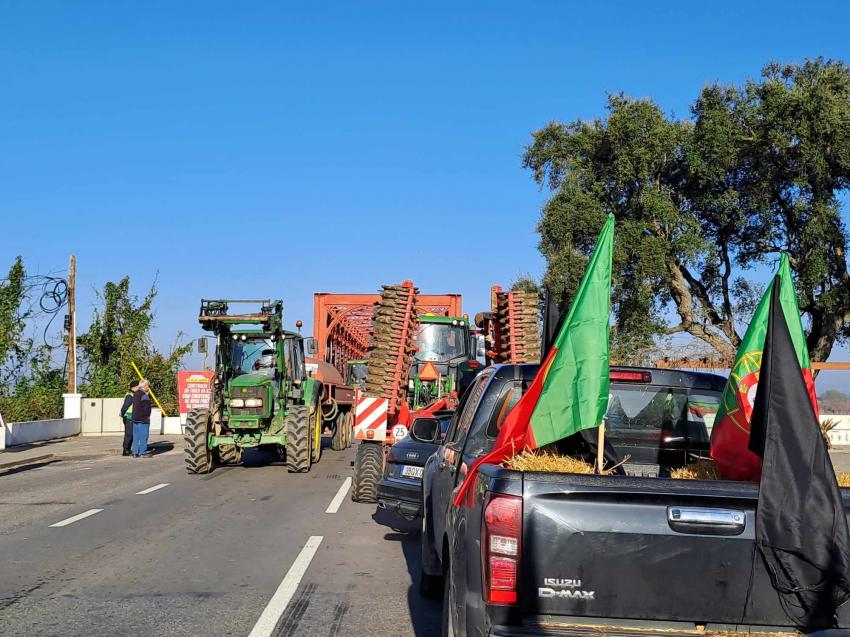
(730, 436)
(570, 390)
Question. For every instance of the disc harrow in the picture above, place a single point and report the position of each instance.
(395, 326)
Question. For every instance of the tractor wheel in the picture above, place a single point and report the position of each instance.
(349, 429)
(297, 439)
(198, 456)
(229, 454)
(339, 440)
(368, 467)
(316, 438)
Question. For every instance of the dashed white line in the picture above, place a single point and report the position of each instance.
(76, 518)
(156, 487)
(333, 507)
(267, 622)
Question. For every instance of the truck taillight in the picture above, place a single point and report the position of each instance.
(501, 544)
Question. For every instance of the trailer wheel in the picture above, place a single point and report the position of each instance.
(229, 454)
(197, 453)
(338, 442)
(349, 428)
(297, 439)
(368, 466)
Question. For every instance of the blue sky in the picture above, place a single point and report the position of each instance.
(277, 149)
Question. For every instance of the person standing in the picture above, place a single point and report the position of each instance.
(141, 419)
(127, 419)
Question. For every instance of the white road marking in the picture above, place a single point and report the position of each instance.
(156, 487)
(333, 507)
(76, 518)
(267, 622)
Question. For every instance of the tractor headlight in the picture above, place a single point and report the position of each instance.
(253, 402)
(237, 402)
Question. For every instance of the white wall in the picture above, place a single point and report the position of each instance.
(840, 436)
(21, 433)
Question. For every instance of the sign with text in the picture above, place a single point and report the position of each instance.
(194, 389)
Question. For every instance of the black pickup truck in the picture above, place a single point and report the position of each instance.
(534, 553)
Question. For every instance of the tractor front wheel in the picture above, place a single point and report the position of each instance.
(368, 467)
(297, 439)
(198, 456)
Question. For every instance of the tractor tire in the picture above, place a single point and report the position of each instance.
(297, 439)
(349, 428)
(229, 454)
(197, 454)
(338, 441)
(316, 436)
(368, 468)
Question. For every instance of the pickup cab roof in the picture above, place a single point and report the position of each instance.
(667, 377)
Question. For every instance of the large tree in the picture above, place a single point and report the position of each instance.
(119, 335)
(701, 202)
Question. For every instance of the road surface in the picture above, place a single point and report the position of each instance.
(116, 545)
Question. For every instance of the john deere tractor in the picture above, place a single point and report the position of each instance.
(261, 395)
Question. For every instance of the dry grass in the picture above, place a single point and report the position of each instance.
(699, 470)
(547, 461)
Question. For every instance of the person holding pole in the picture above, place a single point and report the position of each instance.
(127, 419)
(141, 419)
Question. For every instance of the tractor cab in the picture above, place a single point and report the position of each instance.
(355, 374)
(444, 360)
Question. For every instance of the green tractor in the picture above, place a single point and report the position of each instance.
(444, 361)
(261, 394)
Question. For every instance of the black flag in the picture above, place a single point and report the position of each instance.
(801, 528)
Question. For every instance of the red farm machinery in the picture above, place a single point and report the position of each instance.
(403, 351)
(407, 354)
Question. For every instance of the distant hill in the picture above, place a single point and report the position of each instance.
(833, 401)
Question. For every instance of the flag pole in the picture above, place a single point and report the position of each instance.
(600, 448)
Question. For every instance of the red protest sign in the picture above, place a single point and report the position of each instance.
(194, 389)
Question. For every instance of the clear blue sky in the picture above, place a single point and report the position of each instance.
(277, 149)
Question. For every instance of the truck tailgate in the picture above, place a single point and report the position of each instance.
(643, 548)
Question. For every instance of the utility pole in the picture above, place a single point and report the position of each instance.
(72, 327)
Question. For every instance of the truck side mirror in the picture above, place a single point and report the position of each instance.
(202, 345)
(425, 430)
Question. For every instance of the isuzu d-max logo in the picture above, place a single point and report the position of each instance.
(564, 589)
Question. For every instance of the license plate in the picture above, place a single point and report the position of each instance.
(408, 471)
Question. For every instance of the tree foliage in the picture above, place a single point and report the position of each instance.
(700, 202)
(118, 336)
(30, 386)
(14, 347)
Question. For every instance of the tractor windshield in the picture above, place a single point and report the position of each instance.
(440, 342)
(253, 355)
(356, 374)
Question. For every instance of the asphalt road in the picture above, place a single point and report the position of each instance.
(202, 555)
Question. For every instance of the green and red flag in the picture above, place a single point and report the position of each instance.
(569, 393)
(730, 436)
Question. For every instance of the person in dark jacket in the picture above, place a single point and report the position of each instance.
(141, 419)
(127, 419)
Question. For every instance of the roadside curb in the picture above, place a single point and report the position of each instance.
(25, 461)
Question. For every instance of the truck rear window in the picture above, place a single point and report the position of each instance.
(654, 409)
(635, 409)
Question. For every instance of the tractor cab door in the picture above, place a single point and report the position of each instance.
(293, 360)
